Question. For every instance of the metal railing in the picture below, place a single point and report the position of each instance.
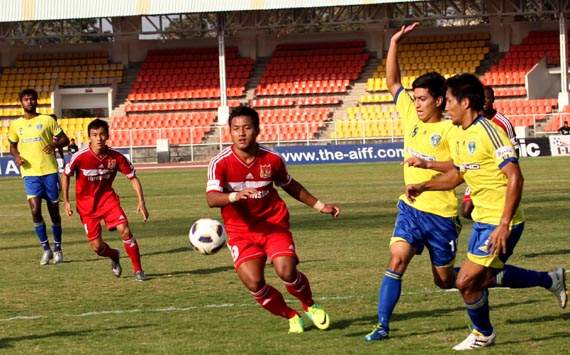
(195, 138)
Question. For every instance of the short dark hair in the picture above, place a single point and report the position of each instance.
(468, 86)
(28, 92)
(490, 92)
(243, 110)
(435, 84)
(96, 124)
(54, 116)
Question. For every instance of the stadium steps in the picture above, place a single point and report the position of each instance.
(258, 69)
(358, 89)
(492, 58)
(125, 88)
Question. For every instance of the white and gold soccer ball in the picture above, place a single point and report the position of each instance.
(207, 236)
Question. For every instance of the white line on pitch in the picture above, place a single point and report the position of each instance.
(209, 306)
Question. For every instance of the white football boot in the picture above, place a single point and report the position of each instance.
(476, 340)
(558, 287)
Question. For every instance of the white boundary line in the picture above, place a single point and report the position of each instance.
(207, 306)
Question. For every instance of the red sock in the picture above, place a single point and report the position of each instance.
(272, 300)
(301, 289)
(108, 252)
(132, 248)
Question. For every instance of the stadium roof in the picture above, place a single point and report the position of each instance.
(42, 10)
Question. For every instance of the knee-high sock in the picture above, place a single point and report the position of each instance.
(108, 252)
(516, 277)
(301, 289)
(478, 312)
(57, 231)
(132, 248)
(40, 228)
(272, 300)
(388, 296)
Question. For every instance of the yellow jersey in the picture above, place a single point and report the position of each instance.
(480, 152)
(32, 135)
(428, 141)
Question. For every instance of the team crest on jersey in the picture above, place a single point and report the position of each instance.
(265, 171)
(39, 126)
(471, 146)
(111, 164)
(435, 139)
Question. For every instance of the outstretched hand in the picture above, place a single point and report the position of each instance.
(416, 162)
(141, 208)
(68, 209)
(404, 30)
(331, 209)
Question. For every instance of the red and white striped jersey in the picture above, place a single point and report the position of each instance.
(94, 178)
(263, 212)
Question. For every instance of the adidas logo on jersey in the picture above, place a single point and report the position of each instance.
(249, 176)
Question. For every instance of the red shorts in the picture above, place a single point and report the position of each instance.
(245, 247)
(113, 216)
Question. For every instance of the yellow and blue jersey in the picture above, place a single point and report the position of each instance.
(32, 135)
(428, 141)
(480, 152)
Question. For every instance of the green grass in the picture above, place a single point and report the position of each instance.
(196, 304)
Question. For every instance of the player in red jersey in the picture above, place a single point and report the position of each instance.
(95, 169)
(241, 181)
(500, 120)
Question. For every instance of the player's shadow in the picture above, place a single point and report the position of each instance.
(180, 273)
(555, 335)
(432, 313)
(550, 252)
(9, 342)
(540, 319)
(170, 251)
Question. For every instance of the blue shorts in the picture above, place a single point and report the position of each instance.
(438, 234)
(45, 186)
(477, 246)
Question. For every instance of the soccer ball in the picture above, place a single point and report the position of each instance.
(207, 236)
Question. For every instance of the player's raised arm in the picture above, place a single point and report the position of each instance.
(141, 205)
(443, 182)
(298, 192)
(393, 78)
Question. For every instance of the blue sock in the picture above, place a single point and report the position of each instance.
(42, 234)
(56, 229)
(516, 277)
(388, 296)
(479, 314)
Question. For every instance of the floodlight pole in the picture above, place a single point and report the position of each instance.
(563, 95)
(223, 110)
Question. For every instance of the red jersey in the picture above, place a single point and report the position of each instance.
(94, 178)
(266, 210)
(500, 120)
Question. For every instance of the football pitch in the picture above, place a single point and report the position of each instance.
(196, 304)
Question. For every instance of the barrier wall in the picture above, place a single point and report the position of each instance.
(359, 153)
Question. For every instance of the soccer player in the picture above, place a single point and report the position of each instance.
(95, 168)
(485, 159)
(432, 221)
(503, 122)
(241, 181)
(72, 148)
(33, 140)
